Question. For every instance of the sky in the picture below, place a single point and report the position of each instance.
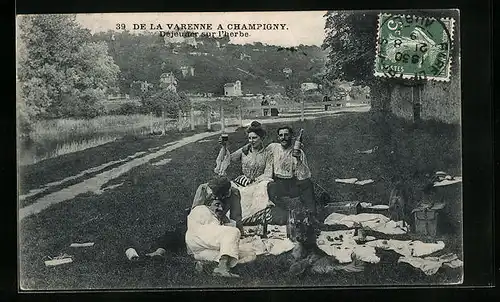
(303, 27)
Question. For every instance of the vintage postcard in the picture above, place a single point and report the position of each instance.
(239, 150)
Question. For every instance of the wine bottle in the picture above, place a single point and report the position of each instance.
(298, 143)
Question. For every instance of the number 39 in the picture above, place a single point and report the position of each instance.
(120, 26)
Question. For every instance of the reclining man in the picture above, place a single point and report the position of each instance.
(211, 236)
(218, 188)
(291, 175)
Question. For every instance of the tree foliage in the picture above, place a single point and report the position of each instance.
(164, 100)
(144, 57)
(350, 41)
(351, 44)
(61, 73)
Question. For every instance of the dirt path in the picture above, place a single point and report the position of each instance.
(95, 184)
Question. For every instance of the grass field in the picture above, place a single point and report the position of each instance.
(152, 198)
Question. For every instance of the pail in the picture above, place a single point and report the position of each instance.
(426, 222)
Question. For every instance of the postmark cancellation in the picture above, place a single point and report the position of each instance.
(414, 47)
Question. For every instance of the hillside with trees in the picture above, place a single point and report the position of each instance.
(259, 67)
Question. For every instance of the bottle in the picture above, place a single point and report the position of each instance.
(297, 144)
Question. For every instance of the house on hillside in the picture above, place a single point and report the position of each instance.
(245, 57)
(346, 87)
(145, 86)
(168, 80)
(308, 86)
(233, 89)
(187, 71)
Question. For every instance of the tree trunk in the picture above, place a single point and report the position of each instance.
(380, 93)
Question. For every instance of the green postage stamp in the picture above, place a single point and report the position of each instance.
(414, 47)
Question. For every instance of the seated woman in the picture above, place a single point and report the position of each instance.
(211, 236)
(252, 184)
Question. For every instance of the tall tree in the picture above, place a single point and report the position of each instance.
(62, 73)
(350, 40)
(351, 43)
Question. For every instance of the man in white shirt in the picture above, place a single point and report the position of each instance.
(290, 173)
(211, 236)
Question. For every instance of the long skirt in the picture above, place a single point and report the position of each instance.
(255, 203)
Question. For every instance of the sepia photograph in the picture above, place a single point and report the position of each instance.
(252, 150)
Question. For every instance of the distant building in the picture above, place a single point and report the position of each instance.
(145, 86)
(233, 89)
(346, 86)
(187, 71)
(168, 80)
(308, 86)
(245, 57)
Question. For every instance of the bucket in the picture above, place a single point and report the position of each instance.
(426, 222)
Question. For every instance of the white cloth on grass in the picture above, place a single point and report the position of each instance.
(373, 221)
(276, 242)
(408, 248)
(430, 265)
(345, 248)
(346, 180)
(267, 246)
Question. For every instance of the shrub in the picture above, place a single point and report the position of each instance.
(164, 100)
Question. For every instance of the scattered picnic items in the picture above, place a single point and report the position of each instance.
(370, 221)
(131, 254)
(369, 151)
(86, 244)
(61, 259)
(430, 265)
(346, 180)
(441, 178)
(160, 252)
(364, 182)
(354, 181)
(275, 243)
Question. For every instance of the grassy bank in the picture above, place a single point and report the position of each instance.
(52, 138)
(152, 200)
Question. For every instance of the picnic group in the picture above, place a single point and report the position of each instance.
(222, 206)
